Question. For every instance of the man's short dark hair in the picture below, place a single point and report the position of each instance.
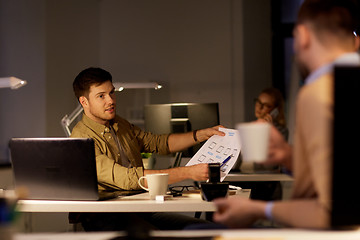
(341, 17)
(88, 77)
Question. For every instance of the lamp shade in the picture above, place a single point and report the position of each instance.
(12, 82)
(119, 86)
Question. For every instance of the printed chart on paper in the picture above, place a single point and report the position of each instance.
(218, 149)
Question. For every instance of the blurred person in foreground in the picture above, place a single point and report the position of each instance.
(323, 36)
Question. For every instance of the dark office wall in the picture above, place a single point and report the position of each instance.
(202, 51)
(194, 48)
(22, 54)
(257, 51)
(186, 45)
(72, 44)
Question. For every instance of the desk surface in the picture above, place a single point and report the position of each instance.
(257, 177)
(190, 202)
(246, 234)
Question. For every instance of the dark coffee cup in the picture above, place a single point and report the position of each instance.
(211, 191)
(214, 172)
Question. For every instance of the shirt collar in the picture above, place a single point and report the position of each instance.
(97, 127)
(345, 59)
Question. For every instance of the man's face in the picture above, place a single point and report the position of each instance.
(100, 106)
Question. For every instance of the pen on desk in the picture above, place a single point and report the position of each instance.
(225, 161)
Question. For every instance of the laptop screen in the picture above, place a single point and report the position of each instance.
(55, 168)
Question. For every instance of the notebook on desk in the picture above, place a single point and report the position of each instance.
(57, 169)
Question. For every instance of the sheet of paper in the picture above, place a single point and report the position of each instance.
(218, 148)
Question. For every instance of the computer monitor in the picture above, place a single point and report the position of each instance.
(346, 162)
(180, 118)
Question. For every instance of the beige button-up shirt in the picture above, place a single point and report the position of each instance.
(313, 139)
(111, 174)
(313, 153)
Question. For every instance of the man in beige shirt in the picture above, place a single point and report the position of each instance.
(324, 36)
(119, 144)
(118, 148)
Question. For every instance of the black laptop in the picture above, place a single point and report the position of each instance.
(57, 169)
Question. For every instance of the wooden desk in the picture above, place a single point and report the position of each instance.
(190, 202)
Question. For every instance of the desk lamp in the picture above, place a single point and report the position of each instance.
(12, 82)
(67, 120)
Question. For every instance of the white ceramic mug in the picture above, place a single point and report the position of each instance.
(254, 138)
(157, 184)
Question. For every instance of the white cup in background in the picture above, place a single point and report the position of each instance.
(157, 184)
(254, 138)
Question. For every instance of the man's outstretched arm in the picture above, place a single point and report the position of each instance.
(180, 141)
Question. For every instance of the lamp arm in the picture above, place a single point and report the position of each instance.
(68, 119)
(78, 110)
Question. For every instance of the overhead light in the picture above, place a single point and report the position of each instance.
(12, 82)
(145, 85)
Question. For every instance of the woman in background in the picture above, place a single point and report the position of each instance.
(269, 106)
